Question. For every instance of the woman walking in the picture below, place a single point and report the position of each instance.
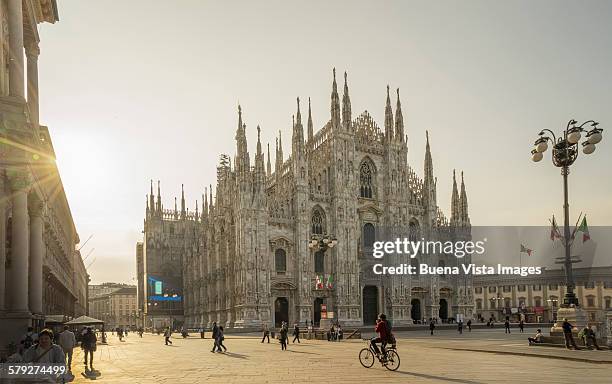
(283, 336)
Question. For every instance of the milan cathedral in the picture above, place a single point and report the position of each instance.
(245, 259)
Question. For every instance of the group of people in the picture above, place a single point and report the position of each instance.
(46, 347)
(587, 335)
(218, 335)
(335, 333)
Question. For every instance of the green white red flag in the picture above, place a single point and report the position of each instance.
(554, 230)
(584, 228)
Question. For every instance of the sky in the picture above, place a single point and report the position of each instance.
(139, 90)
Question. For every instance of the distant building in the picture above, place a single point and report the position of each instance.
(103, 289)
(116, 308)
(536, 298)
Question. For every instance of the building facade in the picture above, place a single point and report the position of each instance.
(41, 273)
(116, 308)
(244, 259)
(537, 298)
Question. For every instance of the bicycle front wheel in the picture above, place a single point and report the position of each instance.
(393, 360)
(366, 358)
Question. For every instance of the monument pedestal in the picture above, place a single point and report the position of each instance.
(14, 327)
(575, 315)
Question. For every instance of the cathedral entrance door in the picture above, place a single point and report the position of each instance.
(443, 309)
(370, 304)
(317, 311)
(281, 311)
(415, 311)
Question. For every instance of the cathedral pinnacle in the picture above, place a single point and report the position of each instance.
(463, 203)
(310, 126)
(182, 201)
(346, 106)
(399, 120)
(454, 201)
(335, 104)
(388, 118)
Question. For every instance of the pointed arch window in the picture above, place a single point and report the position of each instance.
(317, 222)
(366, 178)
(369, 235)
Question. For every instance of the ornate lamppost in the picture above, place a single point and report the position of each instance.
(565, 150)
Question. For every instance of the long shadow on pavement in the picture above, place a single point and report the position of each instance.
(235, 355)
(441, 378)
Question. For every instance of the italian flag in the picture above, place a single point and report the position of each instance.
(584, 229)
(330, 280)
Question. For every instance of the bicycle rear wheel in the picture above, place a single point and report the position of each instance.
(366, 358)
(393, 360)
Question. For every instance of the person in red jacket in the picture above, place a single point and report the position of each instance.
(382, 329)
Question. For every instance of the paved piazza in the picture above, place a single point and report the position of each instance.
(446, 357)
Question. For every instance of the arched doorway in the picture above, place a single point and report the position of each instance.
(281, 311)
(415, 311)
(370, 304)
(317, 311)
(443, 309)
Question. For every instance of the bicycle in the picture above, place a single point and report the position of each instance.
(389, 357)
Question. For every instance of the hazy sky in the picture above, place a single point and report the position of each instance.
(140, 90)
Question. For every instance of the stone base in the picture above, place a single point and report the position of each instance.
(575, 315)
(14, 326)
(248, 323)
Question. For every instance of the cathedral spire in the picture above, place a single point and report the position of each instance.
(175, 208)
(465, 217)
(454, 201)
(388, 119)
(399, 120)
(429, 183)
(242, 154)
(211, 206)
(335, 104)
(259, 156)
(310, 127)
(159, 204)
(196, 211)
(298, 133)
(346, 106)
(268, 164)
(182, 201)
(279, 153)
(152, 199)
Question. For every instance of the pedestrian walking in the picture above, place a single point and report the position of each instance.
(220, 338)
(215, 332)
(67, 341)
(266, 333)
(167, 335)
(296, 333)
(89, 345)
(507, 325)
(567, 334)
(460, 327)
(432, 326)
(340, 332)
(283, 336)
(522, 326)
(469, 325)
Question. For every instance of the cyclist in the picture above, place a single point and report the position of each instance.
(383, 330)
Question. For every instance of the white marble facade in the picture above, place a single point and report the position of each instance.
(245, 258)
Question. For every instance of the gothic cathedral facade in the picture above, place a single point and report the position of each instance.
(245, 259)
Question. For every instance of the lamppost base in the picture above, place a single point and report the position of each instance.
(575, 315)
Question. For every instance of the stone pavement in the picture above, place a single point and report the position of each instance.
(424, 359)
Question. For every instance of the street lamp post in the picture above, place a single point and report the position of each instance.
(565, 150)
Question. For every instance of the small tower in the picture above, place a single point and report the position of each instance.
(399, 120)
(335, 104)
(297, 140)
(310, 125)
(268, 164)
(455, 210)
(346, 106)
(463, 204)
(388, 119)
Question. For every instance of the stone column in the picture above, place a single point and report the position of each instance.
(2, 244)
(15, 24)
(18, 284)
(32, 52)
(37, 249)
